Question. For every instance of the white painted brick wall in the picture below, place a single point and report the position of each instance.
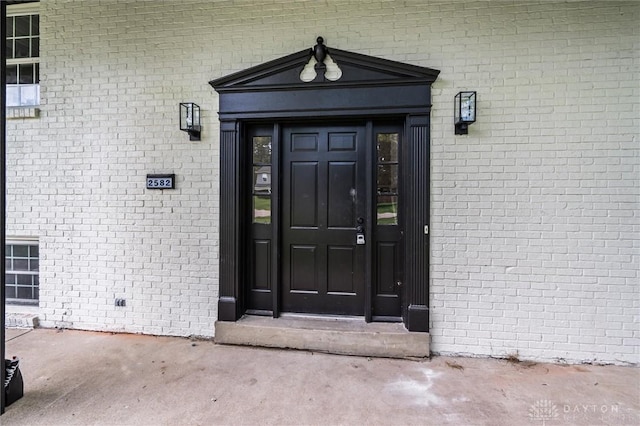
(534, 248)
(534, 214)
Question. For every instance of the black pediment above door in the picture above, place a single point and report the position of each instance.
(365, 85)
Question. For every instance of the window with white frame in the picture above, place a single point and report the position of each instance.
(23, 55)
(22, 266)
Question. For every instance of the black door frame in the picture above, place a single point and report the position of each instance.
(370, 88)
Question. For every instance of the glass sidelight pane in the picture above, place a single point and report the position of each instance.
(387, 176)
(262, 180)
(262, 209)
(387, 147)
(388, 179)
(262, 149)
(387, 211)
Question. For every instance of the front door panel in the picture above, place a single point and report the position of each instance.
(323, 203)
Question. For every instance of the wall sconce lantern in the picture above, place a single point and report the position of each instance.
(190, 120)
(464, 111)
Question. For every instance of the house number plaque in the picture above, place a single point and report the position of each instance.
(161, 181)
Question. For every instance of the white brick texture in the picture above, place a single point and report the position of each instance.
(534, 214)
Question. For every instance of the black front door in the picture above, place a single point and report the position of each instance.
(324, 201)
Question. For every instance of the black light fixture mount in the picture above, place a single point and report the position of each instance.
(464, 111)
(190, 120)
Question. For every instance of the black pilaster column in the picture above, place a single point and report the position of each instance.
(229, 302)
(417, 219)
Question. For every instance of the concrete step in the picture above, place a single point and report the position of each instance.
(337, 335)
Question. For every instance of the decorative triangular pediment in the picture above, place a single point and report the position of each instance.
(324, 81)
(321, 66)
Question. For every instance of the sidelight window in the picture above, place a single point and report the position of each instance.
(387, 178)
(261, 179)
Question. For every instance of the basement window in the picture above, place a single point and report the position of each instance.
(22, 266)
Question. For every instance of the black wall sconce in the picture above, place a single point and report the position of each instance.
(464, 112)
(190, 120)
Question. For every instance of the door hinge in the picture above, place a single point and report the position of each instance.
(426, 230)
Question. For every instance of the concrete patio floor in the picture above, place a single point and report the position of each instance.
(76, 377)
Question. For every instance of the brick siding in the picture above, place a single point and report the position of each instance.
(534, 214)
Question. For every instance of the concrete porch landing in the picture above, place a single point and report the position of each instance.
(336, 335)
(87, 378)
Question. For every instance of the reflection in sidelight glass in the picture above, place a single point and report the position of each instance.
(261, 181)
(262, 150)
(387, 147)
(387, 178)
(387, 210)
(262, 209)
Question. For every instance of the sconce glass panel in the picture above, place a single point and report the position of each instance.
(465, 108)
(464, 112)
(190, 120)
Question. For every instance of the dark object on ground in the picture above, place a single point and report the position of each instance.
(13, 385)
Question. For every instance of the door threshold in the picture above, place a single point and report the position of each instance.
(337, 335)
(328, 317)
